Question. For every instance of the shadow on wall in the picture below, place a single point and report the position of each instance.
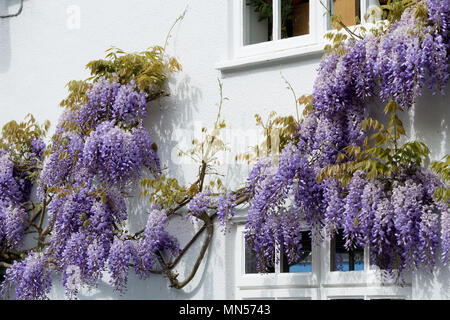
(428, 121)
(433, 286)
(168, 114)
(5, 41)
(157, 287)
(165, 116)
(6, 7)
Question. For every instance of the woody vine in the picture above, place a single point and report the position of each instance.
(338, 169)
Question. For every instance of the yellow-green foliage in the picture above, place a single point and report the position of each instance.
(167, 192)
(442, 168)
(164, 191)
(277, 131)
(381, 155)
(281, 128)
(17, 137)
(148, 69)
(392, 11)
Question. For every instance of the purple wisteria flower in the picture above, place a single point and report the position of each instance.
(10, 188)
(200, 204)
(30, 278)
(108, 100)
(225, 208)
(116, 156)
(64, 161)
(119, 259)
(396, 217)
(37, 148)
(15, 223)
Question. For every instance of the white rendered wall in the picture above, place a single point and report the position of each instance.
(51, 41)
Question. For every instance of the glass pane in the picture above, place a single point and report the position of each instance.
(250, 262)
(2, 274)
(294, 18)
(348, 11)
(258, 18)
(342, 259)
(374, 12)
(381, 262)
(304, 263)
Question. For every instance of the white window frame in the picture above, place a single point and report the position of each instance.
(361, 284)
(277, 285)
(319, 284)
(276, 49)
(316, 21)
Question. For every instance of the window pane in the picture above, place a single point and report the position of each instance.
(374, 12)
(382, 262)
(2, 274)
(348, 11)
(342, 259)
(250, 262)
(304, 263)
(258, 18)
(294, 18)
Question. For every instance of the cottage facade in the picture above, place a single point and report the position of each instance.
(51, 41)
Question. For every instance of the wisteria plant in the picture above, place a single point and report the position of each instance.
(342, 171)
(63, 208)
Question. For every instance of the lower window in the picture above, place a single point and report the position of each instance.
(342, 259)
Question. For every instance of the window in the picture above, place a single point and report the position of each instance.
(284, 281)
(349, 11)
(304, 264)
(342, 259)
(250, 262)
(267, 30)
(291, 20)
(263, 26)
(326, 271)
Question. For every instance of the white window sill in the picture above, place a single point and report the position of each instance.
(278, 280)
(265, 58)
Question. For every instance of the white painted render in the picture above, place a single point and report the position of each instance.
(52, 40)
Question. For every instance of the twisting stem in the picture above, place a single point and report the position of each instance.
(202, 175)
(293, 93)
(186, 247)
(210, 230)
(44, 208)
(341, 23)
(180, 17)
(4, 264)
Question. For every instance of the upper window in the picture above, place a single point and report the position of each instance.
(272, 27)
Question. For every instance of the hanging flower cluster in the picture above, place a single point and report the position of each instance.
(224, 204)
(15, 190)
(393, 213)
(99, 151)
(100, 147)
